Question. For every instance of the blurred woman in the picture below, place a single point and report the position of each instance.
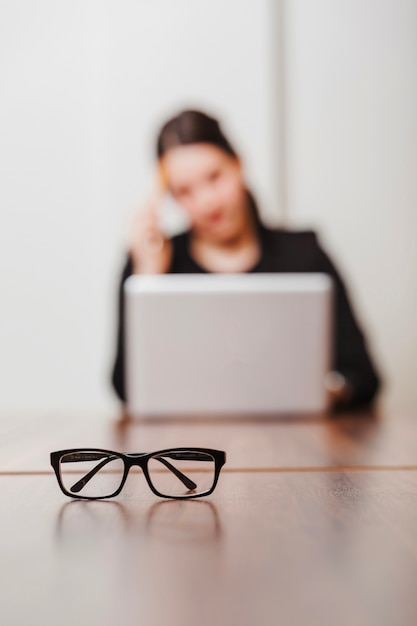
(204, 174)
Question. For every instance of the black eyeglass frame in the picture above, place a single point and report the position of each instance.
(141, 460)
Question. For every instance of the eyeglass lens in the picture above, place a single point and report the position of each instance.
(91, 474)
(198, 469)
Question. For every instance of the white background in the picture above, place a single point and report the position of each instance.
(84, 86)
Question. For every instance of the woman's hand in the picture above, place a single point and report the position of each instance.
(339, 390)
(150, 250)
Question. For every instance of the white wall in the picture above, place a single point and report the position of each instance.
(351, 111)
(84, 86)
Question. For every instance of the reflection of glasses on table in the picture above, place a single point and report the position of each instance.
(92, 473)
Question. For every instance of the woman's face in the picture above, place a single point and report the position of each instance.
(208, 183)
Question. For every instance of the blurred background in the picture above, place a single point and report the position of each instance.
(320, 99)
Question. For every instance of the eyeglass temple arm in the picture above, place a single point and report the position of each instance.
(190, 484)
(186, 455)
(83, 481)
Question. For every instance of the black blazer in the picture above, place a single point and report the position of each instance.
(283, 251)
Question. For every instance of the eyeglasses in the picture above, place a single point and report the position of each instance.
(94, 474)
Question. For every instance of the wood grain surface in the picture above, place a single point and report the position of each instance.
(360, 440)
(313, 522)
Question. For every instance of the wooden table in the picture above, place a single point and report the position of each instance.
(314, 521)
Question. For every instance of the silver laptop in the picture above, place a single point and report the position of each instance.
(227, 343)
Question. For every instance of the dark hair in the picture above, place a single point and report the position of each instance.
(193, 126)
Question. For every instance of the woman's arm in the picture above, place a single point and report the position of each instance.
(118, 376)
(351, 355)
(150, 252)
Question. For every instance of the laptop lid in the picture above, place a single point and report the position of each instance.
(227, 343)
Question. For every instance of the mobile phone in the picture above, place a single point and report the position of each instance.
(171, 217)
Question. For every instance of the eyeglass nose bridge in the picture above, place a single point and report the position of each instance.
(136, 458)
